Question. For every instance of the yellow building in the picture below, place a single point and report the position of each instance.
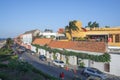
(110, 35)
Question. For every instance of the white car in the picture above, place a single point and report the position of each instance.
(59, 63)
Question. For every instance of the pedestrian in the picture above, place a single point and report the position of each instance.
(62, 76)
(49, 63)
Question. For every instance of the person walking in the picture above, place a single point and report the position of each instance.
(62, 76)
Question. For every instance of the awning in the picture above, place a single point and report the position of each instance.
(98, 34)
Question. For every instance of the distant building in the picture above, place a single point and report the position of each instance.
(27, 38)
(61, 31)
(53, 35)
(34, 33)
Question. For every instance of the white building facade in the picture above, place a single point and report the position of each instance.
(27, 39)
(51, 35)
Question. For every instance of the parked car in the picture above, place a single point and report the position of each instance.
(89, 71)
(42, 58)
(59, 63)
(32, 53)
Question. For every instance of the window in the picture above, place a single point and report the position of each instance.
(117, 38)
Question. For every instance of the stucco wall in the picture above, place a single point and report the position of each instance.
(72, 60)
(115, 64)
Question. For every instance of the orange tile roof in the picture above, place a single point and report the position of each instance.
(74, 45)
(61, 30)
(83, 46)
(62, 44)
(42, 41)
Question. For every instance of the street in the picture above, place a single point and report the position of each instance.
(52, 69)
(49, 69)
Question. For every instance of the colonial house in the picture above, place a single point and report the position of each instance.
(111, 36)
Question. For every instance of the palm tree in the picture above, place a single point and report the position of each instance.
(92, 25)
(107, 26)
(71, 27)
(95, 25)
(9, 42)
(89, 25)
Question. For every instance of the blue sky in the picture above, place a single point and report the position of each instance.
(18, 16)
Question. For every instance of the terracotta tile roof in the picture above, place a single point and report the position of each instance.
(91, 46)
(62, 44)
(42, 41)
(83, 46)
(61, 30)
(73, 45)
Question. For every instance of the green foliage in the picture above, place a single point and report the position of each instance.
(98, 58)
(5, 57)
(3, 65)
(80, 39)
(107, 26)
(67, 60)
(92, 25)
(3, 76)
(15, 57)
(19, 65)
(9, 42)
(71, 27)
(37, 50)
(5, 51)
(82, 64)
(54, 56)
(52, 37)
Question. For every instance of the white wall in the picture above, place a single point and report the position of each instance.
(98, 65)
(72, 60)
(33, 48)
(27, 38)
(86, 62)
(115, 64)
(48, 34)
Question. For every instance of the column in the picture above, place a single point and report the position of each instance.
(113, 38)
(119, 37)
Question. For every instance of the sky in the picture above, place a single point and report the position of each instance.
(18, 16)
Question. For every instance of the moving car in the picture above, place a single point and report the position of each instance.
(89, 71)
(59, 63)
(42, 58)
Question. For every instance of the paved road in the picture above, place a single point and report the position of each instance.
(43, 66)
(52, 70)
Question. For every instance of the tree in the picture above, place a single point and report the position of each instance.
(107, 26)
(95, 25)
(9, 42)
(71, 27)
(48, 30)
(92, 25)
